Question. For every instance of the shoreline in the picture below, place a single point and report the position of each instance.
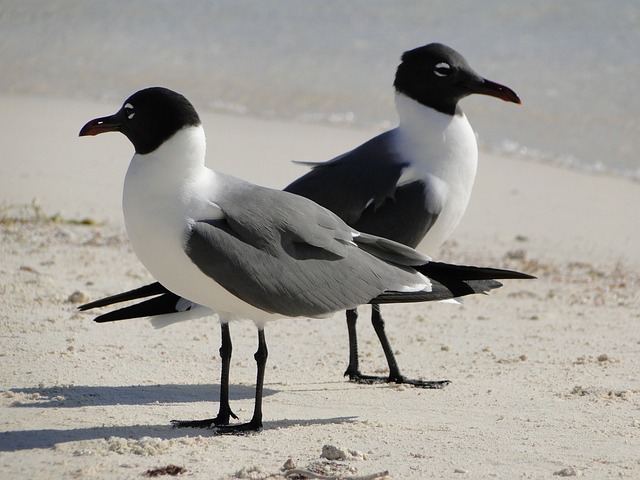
(506, 148)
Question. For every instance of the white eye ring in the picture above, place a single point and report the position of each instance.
(442, 69)
(129, 108)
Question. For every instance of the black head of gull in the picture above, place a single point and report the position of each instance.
(147, 118)
(437, 76)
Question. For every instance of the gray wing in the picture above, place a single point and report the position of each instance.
(361, 187)
(286, 255)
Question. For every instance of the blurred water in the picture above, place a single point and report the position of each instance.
(574, 63)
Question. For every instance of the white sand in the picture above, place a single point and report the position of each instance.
(545, 374)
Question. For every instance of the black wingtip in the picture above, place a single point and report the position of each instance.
(443, 271)
(147, 291)
(440, 291)
(161, 305)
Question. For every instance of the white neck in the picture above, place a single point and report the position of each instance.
(435, 141)
(177, 158)
(158, 185)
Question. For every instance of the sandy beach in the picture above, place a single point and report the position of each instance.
(545, 374)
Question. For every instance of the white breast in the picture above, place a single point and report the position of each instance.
(163, 192)
(443, 153)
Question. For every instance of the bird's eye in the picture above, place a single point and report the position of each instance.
(129, 111)
(442, 69)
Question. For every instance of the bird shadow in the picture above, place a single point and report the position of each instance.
(48, 438)
(88, 396)
(78, 396)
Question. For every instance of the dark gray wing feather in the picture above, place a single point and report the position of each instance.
(361, 187)
(349, 183)
(390, 250)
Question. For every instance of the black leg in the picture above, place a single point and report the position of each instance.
(224, 410)
(226, 348)
(353, 370)
(394, 371)
(378, 325)
(255, 424)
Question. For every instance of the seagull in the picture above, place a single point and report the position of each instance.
(411, 184)
(251, 252)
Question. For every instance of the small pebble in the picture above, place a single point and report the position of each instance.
(569, 472)
(331, 452)
(172, 470)
(290, 464)
(516, 255)
(78, 297)
(82, 452)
